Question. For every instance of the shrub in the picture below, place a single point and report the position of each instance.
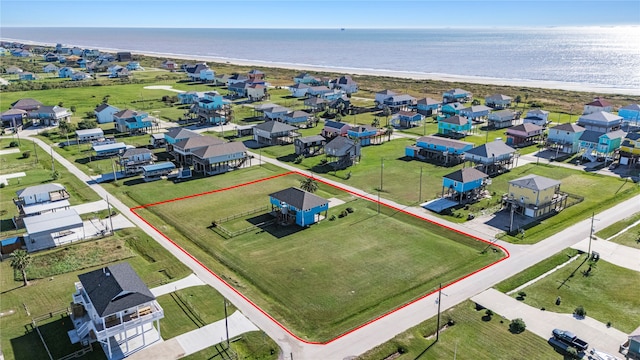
(580, 311)
(517, 326)
(333, 217)
(572, 352)
(402, 349)
(26, 154)
(350, 210)
(299, 159)
(522, 294)
(489, 313)
(13, 144)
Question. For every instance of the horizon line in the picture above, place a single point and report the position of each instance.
(336, 27)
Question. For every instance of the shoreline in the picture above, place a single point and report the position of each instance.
(541, 84)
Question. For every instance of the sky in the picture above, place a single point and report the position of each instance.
(317, 13)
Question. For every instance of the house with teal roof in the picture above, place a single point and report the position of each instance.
(131, 121)
(454, 126)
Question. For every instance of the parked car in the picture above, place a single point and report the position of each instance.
(570, 338)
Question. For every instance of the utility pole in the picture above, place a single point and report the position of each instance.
(226, 322)
(53, 167)
(591, 234)
(439, 301)
(381, 169)
(110, 219)
(113, 167)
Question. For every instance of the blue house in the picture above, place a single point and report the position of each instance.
(464, 185)
(596, 144)
(364, 134)
(475, 112)
(407, 119)
(451, 109)
(295, 205)
(134, 65)
(189, 97)
(26, 76)
(66, 72)
(444, 150)
(428, 106)
(565, 138)
(296, 117)
(630, 113)
(176, 134)
(211, 108)
(454, 126)
(399, 101)
(131, 121)
(456, 95)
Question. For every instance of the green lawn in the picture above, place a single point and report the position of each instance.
(629, 238)
(616, 228)
(315, 283)
(607, 294)
(254, 345)
(472, 337)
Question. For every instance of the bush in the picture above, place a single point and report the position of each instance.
(572, 352)
(580, 311)
(333, 217)
(402, 349)
(299, 159)
(522, 294)
(517, 326)
(489, 313)
(26, 154)
(350, 210)
(13, 144)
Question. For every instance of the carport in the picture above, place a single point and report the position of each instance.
(53, 229)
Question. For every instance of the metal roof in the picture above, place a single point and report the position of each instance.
(39, 189)
(535, 182)
(34, 209)
(109, 147)
(52, 222)
(90, 132)
(167, 165)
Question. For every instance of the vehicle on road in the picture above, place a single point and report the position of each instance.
(570, 338)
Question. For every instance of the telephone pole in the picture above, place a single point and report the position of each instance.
(439, 301)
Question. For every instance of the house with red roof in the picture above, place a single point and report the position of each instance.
(598, 104)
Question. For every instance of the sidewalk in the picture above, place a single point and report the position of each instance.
(541, 323)
(191, 280)
(620, 255)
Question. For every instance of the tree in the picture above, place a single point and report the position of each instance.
(389, 132)
(580, 311)
(517, 326)
(376, 122)
(489, 313)
(87, 124)
(309, 184)
(517, 100)
(66, 127)
(338, 118)
(20, 261)
(386, 111)
(475, 102)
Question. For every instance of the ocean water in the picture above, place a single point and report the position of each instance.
(601, 56)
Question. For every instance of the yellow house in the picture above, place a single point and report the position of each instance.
(630, 149)
(535, 195)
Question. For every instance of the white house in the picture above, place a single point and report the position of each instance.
(598, 104)
(104, 113)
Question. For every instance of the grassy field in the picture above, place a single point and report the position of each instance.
(616, 228)
(152, 262)
(606, 293)
(473, 336)
(315, 283)
(629, 238)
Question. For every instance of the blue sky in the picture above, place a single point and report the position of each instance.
(317, 13)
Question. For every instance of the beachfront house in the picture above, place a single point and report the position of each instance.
(537, 117)
(428, 106)
(630, 114)
(255, 75)
(630, 149)
(306, 78)
(237, 78)
(534, 196)
(113, 306)
(454, 126)
(297, 206)
(104, 113)
(498, 101)
(407, 119)
(123, 56)
(13, 119)
(492, 158)
(183, 150)
(131, 121)
(364, 135)
(456, 95)
(309, 145)
(132, 160)
(564, 138)
(464, 186)
(219, 158)
(332, 129)
(601, 121)
(475, 112)
(342, 152)
(439, 149)
(274, 133)
(598, 104)
(524, 135)
(299, 90)
(502, 119)
(595, 144)
(344, 83)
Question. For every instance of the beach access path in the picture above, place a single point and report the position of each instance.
(385, 328)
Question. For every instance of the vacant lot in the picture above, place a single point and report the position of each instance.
(326, 279)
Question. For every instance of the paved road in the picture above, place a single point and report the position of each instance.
(387, 327)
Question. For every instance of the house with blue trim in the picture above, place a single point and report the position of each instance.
(332, 129)
(381, 96)
(26, 76)
(297, 117)
(306, 78)
(131, 121)
(475, 112)
(537, 117)
(189, 97)
(193, 70)
(439, 149)
(407, 119)
(211, 108)
(333, 95)
(134, 65)
(456, 95)
(132, 160)
(564, 138)
(297, 206)
(399, 102)
(176, 134)
(595, 144)
(13, 119)
(455, 126)
(451, 109)
(207, 75)
(220, 158)
(364, 134)
(601, 121)
(299, 90)
(498, 101)
(66, 72)
(158, 170)
(465, 185)
(428, 106)
(630, 113)
(50, 115)
(492, 158)
(502, 119)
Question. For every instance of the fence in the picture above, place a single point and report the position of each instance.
(243, 214)
(230, 234)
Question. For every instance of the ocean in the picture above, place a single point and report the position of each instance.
(597, 56)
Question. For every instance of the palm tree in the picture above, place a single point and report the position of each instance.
(309, 184)
(389, 132)
(375, 123)
(386, 111)
(20, 260)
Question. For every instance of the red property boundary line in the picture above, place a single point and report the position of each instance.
(133, 210)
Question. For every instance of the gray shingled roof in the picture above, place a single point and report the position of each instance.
(526, 127)
(311, 139)
(197, 142)
(574, 128)
(298, 198)
(456, 120)
(535, 182)
(181, 133)
(492, 149)
(275, 127)
(466, 175)
(135, 151)
(590, 136)
(220, 150)
(115, 288)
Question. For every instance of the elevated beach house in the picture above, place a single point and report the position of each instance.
(502, 119)
(399, 102)
(476, 113)
(189, 97)
(86, 135)
(595, 144)
(464, 186)
(104, 113)
(456, 95)
(297, 117)
(309, 145)
(113, 306)
(534, 196)
(450, 109)
(297, 206)
(183, 150)
(299, 90)
(211, 108)
(407, 119)
(439, 149)
(601, 121)
(537, 117)
(306, 78)
(498, 101)
(454, 126)
(176, 134)
(275, 113)
(344, 83)
(66, 72)
(524, 135)
(365, 135)
(131, 121)
(132, 160)
(630, 114)
(158, 171)
(14, 119)
(492, 158)
(193, 70)
(342, 152)
(381, 96)
(630, 149)
(598, 104)
(428, 106)
(50, 115)
(39, 199)
(274, 133)
(219, 158)
(108, 150)
(564, 138)
(332, 129)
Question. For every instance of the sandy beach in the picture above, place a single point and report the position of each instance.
(583, 87)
